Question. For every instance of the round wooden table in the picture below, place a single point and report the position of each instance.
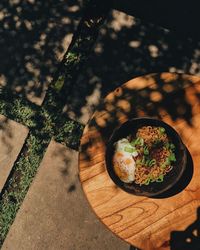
(147, 223)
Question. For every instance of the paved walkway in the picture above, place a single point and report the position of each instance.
(55, 213)
(12, 137)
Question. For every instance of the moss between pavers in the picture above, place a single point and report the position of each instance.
(18, 109)
(23, 172)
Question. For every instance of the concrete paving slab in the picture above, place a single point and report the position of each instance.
(12, 137)
(55, 214)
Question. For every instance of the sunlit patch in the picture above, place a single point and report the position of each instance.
(109, 107)
(28, 24)
(14, 2)
(2, 80)
(153, 50)
(2, 15)
(168, 77)
(140, 83)
(123, 104)
(195, 232)
(156, 96)
(113, 36)
(73, 8)
(194, 69)
(121, 20)
(102, 120)
(172, 70)
(134, 44)
(66, 20)
(140, 113)
(98, 48)
(121, 116)
(188, 240)
(168, 88)
(18, 88)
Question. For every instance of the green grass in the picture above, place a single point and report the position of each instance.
(18, 109)
(23, 174)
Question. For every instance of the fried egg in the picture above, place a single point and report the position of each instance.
(123, 160)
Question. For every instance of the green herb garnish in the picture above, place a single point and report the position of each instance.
(152, 162)
(147, 162)
(139, 141)
(160, 178)
(167, 145)
(164, 165)
(143, 160)
(172, 157)
(146, 150)
(138, 161)
(128, 149)
(147, 181)
(172, 146)
(162, 130)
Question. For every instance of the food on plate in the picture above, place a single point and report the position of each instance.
(145, 156)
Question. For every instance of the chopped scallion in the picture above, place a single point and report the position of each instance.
(146, 150)
(172, 157)
(152, 162)
(162, 130)
(147, 181)
(172, 146)
(160, 178)
(128, 149)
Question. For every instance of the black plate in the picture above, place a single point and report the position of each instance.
(170, 179)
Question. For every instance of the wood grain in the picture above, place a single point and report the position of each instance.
(146, 223)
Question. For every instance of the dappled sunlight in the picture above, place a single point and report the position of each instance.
(171, 97)
(175, 99)
(128, 47)
(34, 37)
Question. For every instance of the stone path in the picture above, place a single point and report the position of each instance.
(12, 137)
(55, 213)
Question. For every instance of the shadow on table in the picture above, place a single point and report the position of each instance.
(133, 248)
(188, 239)
(175, 98)
(167, 98)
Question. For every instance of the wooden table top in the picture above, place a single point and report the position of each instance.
(147, 223)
